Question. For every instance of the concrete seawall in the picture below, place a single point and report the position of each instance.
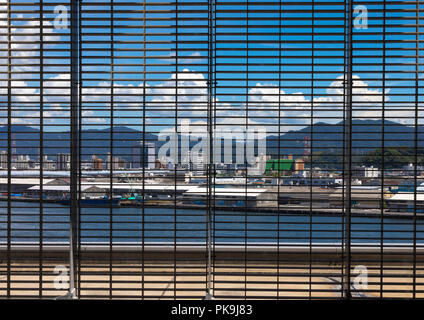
(187, 253)
(260, 210)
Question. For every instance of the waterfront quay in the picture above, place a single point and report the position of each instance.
(323, 193)
(168, 272)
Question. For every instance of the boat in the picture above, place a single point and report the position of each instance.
(131, 200)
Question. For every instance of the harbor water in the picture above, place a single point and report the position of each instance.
(158, 224)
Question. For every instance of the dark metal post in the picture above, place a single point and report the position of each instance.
(416, 146)
(348, 177)
(210, 156)
(73, 223)
(9, 148)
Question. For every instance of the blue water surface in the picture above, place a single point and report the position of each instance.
(184, 225)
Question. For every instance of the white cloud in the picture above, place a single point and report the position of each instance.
(25, 45)
(192, 91)
(194, 57)
(128, 95)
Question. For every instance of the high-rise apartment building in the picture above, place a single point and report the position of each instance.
(63, 161)
(3, 159)
(143, 154)
(96, 163)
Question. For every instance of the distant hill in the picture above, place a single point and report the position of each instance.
(92, 141)
(327, 138)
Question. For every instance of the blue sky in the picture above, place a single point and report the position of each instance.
(270, 86)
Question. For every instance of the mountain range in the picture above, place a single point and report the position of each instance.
(321, 137)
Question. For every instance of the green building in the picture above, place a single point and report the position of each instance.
(279, 165)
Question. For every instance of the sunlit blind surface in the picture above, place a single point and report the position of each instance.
(233, 149)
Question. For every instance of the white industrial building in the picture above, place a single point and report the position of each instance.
(405, 202)
(365, 172)
(228, 197)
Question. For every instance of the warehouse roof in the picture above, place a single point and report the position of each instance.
(116, 186)
(25, 181)
(252, 192)
(407, 196)
(125, 186)
(64, 188)
(359, 194)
